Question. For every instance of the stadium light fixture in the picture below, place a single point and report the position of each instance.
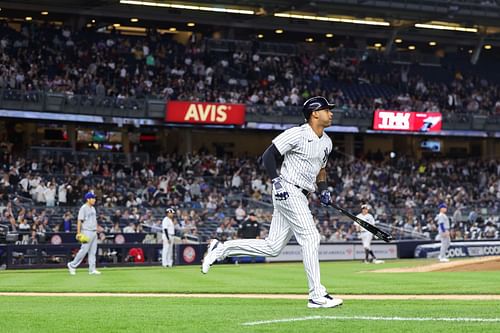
(191, 24)
(332, 19)
(398, 41)
(28, 18)
(260, 36)
(309, 39)
(172, 29)
(134, 20)
(278, 31)
(329, 35)
(411, 47)
(136, 30)
(167, 31)
(377, 45)
(487, 47)
(93, 21)
(444, 26)
(116, 25)
(432, 43)
(44, 13)
(189, 7)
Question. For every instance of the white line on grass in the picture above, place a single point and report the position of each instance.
(259, 296)
(286, 320)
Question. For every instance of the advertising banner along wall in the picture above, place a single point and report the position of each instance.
(387, 120)
(204, 113)
(338, 251)
(460, 249)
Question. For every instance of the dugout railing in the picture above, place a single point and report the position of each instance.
(57, 256)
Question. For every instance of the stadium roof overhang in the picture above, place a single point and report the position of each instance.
(303, 16)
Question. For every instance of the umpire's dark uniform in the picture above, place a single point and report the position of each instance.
(249, 228)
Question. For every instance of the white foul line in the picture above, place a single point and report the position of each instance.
(286, 320)
(259, 296)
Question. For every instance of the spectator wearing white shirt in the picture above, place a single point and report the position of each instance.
(62, 195)
(50, 195)
(130, 229)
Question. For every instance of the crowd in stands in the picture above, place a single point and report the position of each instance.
(106, 67)
(213, 195)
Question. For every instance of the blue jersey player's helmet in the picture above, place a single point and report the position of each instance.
(316, 103)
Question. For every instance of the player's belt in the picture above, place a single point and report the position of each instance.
(304, 192)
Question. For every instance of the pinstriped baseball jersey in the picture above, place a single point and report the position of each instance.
(304, 155)
(168, 224)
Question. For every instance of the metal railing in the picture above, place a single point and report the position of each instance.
(152, 108)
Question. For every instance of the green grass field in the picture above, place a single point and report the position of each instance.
(146, 314)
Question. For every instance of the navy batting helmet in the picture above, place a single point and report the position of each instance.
(315, 104)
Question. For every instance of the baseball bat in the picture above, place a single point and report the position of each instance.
(380, 234)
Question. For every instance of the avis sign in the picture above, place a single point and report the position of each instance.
(386, 120)
(205, 113)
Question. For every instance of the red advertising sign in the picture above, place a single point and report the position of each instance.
(205, 113)
(386, 120)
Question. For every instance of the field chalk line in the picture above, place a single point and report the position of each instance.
(476, 297)
(287, 320)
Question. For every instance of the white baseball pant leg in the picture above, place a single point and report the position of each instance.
(290, 216)
(366, 239)
(89, 248)
(445, 244)
(167, 252)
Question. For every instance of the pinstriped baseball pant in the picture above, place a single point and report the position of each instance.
(290, 217)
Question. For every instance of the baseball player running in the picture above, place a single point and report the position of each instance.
(444, 231)
(366, 237)
(168, 238)
(86, 234)
(305, 151)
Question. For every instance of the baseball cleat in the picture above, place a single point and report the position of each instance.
(377, 261)
(326, 301)
(95, 272)
(210, 256)
(444, 259)
(71, 270)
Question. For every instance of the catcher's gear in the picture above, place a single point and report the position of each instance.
(82, 238)
(279, 192)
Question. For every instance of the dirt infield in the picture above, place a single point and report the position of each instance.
(463, 265)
